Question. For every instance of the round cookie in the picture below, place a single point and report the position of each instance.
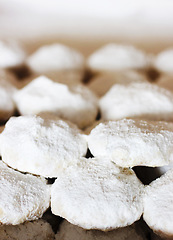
(116, 57)
(137, 100)
(158, 207)
(97, 194)
(103, 82)
(75, 103)
(41, 146)
(68, 231)
(131, 143)
(59, 62)
(22, 197)
(36, 230)
(164, 61)
(12, 55)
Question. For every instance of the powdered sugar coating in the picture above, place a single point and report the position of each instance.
(158, 207)
(96, 194)
(164, 61)
(131, 143)
(12, 54)
(68, 231)
(22, 197)
(75, 103)
(141, 100)
(55, 57)
(41, 146)
(113, 57)
(36, 230)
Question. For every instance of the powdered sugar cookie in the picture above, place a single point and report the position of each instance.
(115, 57)
(68, 231)
(103, 82)
(96, 194)
(36, 230)
(41, 146)
(22, 197)
(59, 62)
(164, 61)
(137, 100)
(75, 103)
(158, 208)
(131, 143)
(12, 55)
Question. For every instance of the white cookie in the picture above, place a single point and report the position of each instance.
(158, 207)
(131, 143)
(137, 100)
(7, 105)
(74, 103)
(68, 231)
(164, 61)
(36, 230)
(22, 197)
(96, 194)
(102, 83)
(115, 57)
(12, 55)
(41, 146)
(57, 60)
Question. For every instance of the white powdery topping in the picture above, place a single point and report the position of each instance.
(75, 103)
(102, 83)
(36, 230)
(22, 197)
(158, 205)
(131, 143)
(68, 231)
(55, 57)
(7, 106)
(41, 146)
(11, 55)
(96, 194)
(141, 100)
(113, 57)
(164, 61)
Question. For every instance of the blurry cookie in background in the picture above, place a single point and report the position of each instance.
(117, 57)
(163, 62)
(58, 62)
(101, 83)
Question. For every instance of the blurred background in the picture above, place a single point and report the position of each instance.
(88, 24)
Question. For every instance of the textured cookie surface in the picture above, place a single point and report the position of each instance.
(41, 146)
(140, 100)
(22, 197)
(96, 194)
(75, 103)
(113, 57)
(158, 207)
(11, 54)
(131, 143)
(36, 230)
(68, 231)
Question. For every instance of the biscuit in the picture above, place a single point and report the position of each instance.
(103, 82)
(68, 231)
(131, 143)
(12, 55)
(163, 61)
(116, 57)
(75, 103)
(137, 100)
(22, 197)
(158, 209)
(97, 194)
(41, 146)
(36, 230)
(57, 61)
